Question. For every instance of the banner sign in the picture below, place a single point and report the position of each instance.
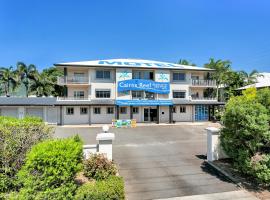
(144, 102)
(146, 85)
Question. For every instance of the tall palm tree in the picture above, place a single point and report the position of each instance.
(251, 78)
(8, 79)
(28, 75)
(221, 73)
(42, 86)
(185, 62)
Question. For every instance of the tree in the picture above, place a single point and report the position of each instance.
(8, 79)
(28, 74)
(222, 70)
(42, 86)
(250, 78)
(185, 62)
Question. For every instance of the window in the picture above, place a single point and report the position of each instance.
(103, 74)
(78, 94)
(137, 94)
(177, 76)
(135, 110)
(182, 109)
(103, 93)
(123, 110)
(149, 75)
(79, 77)
(83, 110)
(97, 110)
(178, 94)
(69, 110)
(149, 95)
(174, 109)
(109, 110)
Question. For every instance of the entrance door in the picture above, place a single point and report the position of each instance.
(150, 114)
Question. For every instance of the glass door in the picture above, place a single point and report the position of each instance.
(146, 114)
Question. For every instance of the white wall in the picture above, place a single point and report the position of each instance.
(164, 118)
(125, 116)
(103, 117)
(183, 117)
(76, 118)
(9, 111)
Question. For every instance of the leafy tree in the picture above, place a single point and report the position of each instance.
(28, 74)
(250, 78)
(42, 86)
(222, 70)
(185, 62)
(9, 79)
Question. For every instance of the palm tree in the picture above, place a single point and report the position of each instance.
(42, 86)
(8, 79)
(185, 62)
(221, 73)
(27, 74)
(251, 78)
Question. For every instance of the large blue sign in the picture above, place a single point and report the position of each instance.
(144, 102)
(146, 85)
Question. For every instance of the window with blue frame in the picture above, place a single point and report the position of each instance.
(179, 76)
(201, 113)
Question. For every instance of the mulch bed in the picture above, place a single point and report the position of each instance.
(244, 181)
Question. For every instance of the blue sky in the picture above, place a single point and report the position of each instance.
(51, 31)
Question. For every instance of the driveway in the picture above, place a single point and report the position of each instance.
(160, 161)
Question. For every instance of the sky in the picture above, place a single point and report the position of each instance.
(52, 31)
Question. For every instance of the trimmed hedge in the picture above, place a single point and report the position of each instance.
(50, 169)
(98, 167)
(245, 136)
(111, 188)
(17, 136)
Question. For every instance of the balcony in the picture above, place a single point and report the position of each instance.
(73, 99)
(198, 98)
(73, 80)
(203, 83)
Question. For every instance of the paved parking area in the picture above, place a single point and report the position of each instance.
(160, 161)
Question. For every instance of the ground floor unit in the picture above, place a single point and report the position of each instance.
(101, 114)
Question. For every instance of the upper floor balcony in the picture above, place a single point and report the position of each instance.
(203, 83)
(73, 80)
(200, 98)
(73, 98)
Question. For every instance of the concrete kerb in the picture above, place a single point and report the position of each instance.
(145, 124)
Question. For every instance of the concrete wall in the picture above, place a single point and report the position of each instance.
(9, 111)
(183, 117)
(102, 118)
(164, 114)
(76, 118)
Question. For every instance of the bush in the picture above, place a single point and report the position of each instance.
(17, 136)
(111, 188)
(98, 167)
(50, 169)
(246, 135)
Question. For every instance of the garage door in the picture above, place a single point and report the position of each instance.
(37, 112)
(12, 112)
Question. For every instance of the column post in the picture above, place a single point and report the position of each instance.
(170, 114)
(158, 114)
(117, 112)
(61, 115)
(105, 140)
(131, 112)
(89, 115)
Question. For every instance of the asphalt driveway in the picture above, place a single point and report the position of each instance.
(160, 161)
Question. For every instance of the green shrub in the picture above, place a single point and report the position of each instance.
(111, 188)
(98, 167)
(50, 169)
(246, 135)
(17, 136)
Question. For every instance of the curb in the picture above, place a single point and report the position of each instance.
(234, 180)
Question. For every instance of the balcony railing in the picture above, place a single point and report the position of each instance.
(73, 99)
(203, 82)
(72, 80)
(195, 98)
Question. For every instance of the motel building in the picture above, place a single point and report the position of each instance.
(97, 92)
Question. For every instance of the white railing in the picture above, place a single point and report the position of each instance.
(72, 80)
(203, 82)
(73, 99)
(203, 98)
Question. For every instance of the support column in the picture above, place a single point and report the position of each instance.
(117, 112)
(193, 115)
(21, 112)
(65, 81)
(131, 112)
(61, 115)
(170, 115)
(158, 114)
(45, 114)
(89, 115)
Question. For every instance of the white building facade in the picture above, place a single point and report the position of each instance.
(149, 91)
